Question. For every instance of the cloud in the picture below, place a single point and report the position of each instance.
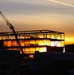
(66, 4)
(33, 7)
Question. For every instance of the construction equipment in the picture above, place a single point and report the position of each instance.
(13, 30)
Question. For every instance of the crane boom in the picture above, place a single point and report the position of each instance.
(13, 30)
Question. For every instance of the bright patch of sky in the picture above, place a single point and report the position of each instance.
(35, 14)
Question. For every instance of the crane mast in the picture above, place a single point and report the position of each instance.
(13, 30)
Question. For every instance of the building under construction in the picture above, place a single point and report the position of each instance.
(32, 41)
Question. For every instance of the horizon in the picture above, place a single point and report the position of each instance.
(55, 15)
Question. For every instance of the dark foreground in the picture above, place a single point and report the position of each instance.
(55, 63)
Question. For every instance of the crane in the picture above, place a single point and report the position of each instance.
(13, 30)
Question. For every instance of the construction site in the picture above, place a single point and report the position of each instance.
(28, 42)
(34, 52)
(31, 41)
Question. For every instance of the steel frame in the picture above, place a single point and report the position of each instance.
(34, 39)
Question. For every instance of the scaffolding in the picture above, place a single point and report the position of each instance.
(34, 40)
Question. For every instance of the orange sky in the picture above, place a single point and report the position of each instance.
(56, 15)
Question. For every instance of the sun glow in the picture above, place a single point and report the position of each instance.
(42, 49)
(44, 43)
(56, 43)
(38, 45)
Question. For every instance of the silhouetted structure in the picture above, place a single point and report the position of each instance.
(52, 63)
(35, 40)
(10, 62)
(13, 30)
(1, 44)
(69, 48)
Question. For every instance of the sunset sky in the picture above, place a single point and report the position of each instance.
(56, 15)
